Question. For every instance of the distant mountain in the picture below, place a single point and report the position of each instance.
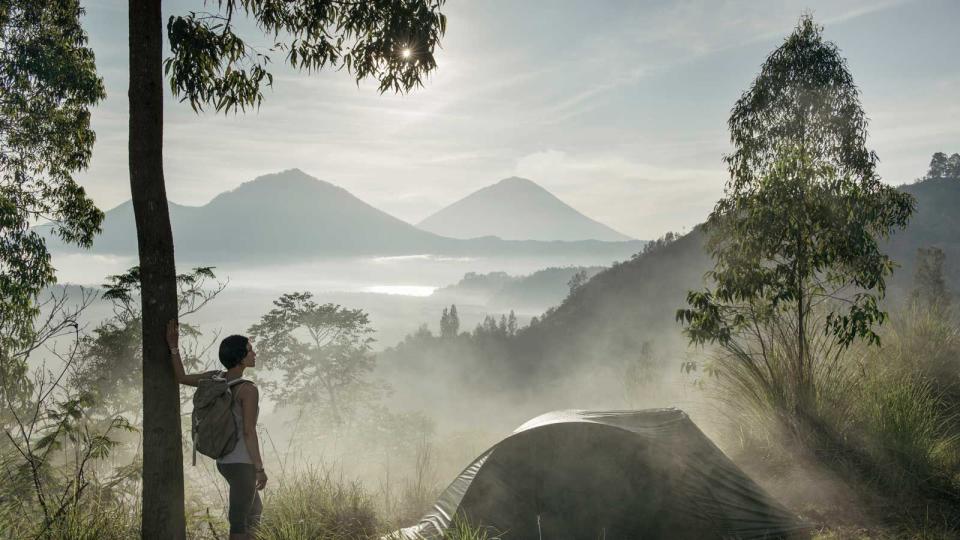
(516, 209)
(502, 291)
(291, 216)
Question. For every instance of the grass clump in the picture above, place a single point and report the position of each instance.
(314, 504)
(461, 529)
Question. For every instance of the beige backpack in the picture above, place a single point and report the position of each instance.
(214, 427)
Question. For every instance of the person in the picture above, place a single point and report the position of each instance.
(243, 466)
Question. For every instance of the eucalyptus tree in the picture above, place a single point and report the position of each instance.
(392, 41)
(795, 237)
(48, 82)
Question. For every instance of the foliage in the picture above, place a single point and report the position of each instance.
(480, 361)
(492, 330)
(95, 519)
(48, 83)
(908, 429)
(109, 361)
(943, 167)
(392, 41)
(892, 419)
(576, 281)
(798, 265)
(903, 414)
(925, 340)
(449, 322)
(656, 245)
(323, 352)
(462, 529)
(52, 443)
(499, 290)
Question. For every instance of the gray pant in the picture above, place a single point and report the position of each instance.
(245, 505)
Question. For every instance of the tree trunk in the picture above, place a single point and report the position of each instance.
(162, 515)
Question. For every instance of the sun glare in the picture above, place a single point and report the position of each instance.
(405, 53)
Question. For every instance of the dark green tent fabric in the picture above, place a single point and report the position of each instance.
(648, 474)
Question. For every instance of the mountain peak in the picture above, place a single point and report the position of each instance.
(516, 208)
(287, 179)
(289, 185)
(517, 181)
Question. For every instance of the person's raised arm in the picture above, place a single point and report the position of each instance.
(173, 340)
(250, 407)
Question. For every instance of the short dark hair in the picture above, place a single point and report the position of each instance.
(232, 350)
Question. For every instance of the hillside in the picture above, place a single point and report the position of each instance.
(635, 301)
(502, 291)
(936, 222)
(516, 209)
(291, 216)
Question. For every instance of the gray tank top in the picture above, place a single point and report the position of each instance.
(239, 454)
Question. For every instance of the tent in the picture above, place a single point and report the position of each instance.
(608, 474)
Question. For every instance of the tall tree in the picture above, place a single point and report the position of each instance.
(323, 351)
(163, 511)
(454, 321)
(795, 237)
(938, 166)
(392, 41)
(929, 287)
(445, 322)
(576, 281)
(48, 82)
(450, 322)
(953, 166)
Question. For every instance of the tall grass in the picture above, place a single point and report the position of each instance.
(403, 501)
(906, 426)
(316, 504)
(883, 419)
(96, 519)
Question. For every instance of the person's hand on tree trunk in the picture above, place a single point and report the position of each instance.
(173, 335)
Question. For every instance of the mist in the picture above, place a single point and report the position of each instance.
(480, 271)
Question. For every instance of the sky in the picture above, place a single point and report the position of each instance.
(617, 107)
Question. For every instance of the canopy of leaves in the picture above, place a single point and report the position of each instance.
(109, 361)
(942, 166)
(392, 41)
(799, 223)
(323, 351)
(48, 82)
